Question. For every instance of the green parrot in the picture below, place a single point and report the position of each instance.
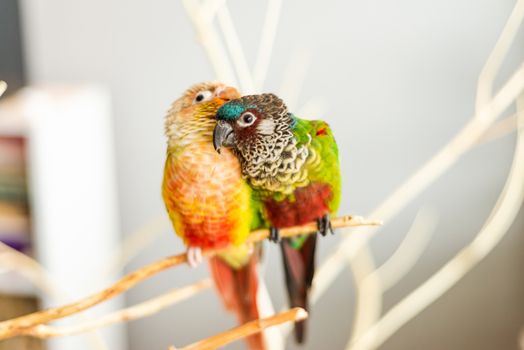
(292, 165)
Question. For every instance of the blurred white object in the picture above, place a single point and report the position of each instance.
(3, 87)
(73, 190)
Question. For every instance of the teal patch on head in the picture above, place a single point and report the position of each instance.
(230, 111)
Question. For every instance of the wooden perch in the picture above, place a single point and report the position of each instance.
(245, 330)
(22, 325)
(134, 312)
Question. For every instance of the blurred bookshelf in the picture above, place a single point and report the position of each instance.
(17, 295)
(15, 227)
(58, 195)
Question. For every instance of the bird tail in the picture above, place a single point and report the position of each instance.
(299, 267)
(238, 288)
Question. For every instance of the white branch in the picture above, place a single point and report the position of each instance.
(265, 49)
(294, 76)
(274, 336)
(372, 283)
(210, 41)
(210, 9)
(500, 220)
(136, 242)
(497, 55)
(144, 309)
(409, 250)
(368, 291)
(431, 170)
(40, 278)
(422, 178)
(235, 49)
(500, 129)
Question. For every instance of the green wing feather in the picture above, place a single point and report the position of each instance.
(327, 169)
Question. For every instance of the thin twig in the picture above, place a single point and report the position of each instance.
(484, 117)
(294, 76)
(497, 55)
(368, 291)
(421, 179)
(135, 242)
(410, 249)
(267, 39)
(210, 9)
(464, 140)
(29, 268)
(210, 41)
(39, 277)
(370, 285)
(14, 327)
(247, 329)
(235, 49)
(500, 129)
(17, 326)
(141, 310)
(340, 222)
(273, 336)
(500, 219)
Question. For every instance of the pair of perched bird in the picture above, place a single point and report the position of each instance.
(235, 164)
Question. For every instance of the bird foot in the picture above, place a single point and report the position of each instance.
(194, 256)
(274, 234)
(324, 225)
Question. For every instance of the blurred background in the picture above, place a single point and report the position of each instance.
(395, 79)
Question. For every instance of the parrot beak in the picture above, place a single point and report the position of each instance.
(222, 135)
(227, 93)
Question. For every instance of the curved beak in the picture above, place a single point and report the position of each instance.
(227, 93)
(222, 135)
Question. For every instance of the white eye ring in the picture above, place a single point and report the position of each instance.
(246, 119)
(202, 96)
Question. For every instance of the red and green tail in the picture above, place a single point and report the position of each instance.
(238, 288)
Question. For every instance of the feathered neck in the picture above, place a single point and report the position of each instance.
(182, 133)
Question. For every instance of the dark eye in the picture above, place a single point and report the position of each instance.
(246, 119)
(202, 96)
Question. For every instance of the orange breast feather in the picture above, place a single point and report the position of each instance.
(206, 197)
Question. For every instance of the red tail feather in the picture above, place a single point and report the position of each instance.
(238, 291)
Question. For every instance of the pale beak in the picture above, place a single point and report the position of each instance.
(223, 135)
(227, 93)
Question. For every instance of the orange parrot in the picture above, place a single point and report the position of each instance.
(208, 201)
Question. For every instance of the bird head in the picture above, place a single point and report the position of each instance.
(251, 123)
(196, 108)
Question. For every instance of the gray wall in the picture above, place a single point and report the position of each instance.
(11, 62)
(398, 78)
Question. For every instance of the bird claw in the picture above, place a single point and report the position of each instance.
(274, 234)
(324, 225)
(194, 256)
